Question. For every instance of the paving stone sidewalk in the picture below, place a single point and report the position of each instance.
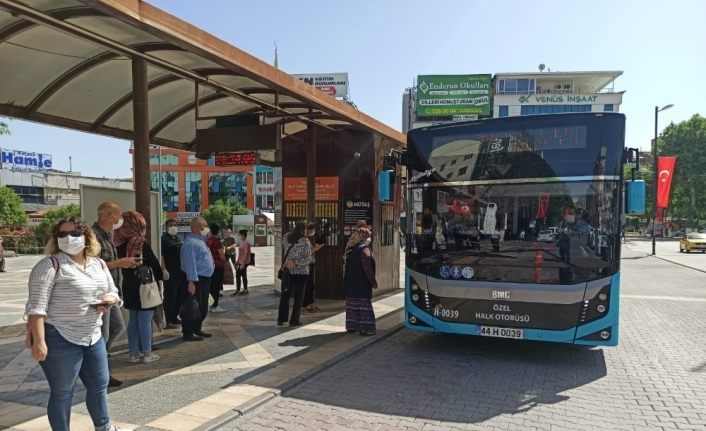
(248, 360)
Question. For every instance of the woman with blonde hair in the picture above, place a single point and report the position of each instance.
(69, 290)
(358, 284)
(130, 241)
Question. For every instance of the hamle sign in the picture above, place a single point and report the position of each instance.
(16, 159)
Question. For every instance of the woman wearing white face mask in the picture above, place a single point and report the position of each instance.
(358, 284)
(68, 292)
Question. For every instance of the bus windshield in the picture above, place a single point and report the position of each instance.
(526, 200)
(498, 232)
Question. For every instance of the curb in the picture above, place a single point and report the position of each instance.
(233, 415)
(670, 261)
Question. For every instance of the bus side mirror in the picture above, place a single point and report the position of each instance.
(385, 180)
(635, 197)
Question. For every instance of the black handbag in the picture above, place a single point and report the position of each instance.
(252, 259)
(190, 311)
(283, 271)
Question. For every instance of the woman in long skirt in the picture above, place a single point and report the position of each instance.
(358, 283)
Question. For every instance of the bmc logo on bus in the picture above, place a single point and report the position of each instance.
(497, 294)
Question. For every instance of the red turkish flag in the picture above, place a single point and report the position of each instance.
(543, 205)
(665, 172)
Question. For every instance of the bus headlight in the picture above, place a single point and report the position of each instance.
(602, 296)
(412, 320)
(605, 335)
(601, 308)
(415, 286)
(415, 297)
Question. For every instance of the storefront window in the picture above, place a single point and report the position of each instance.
(169, 185)
(227, 186)
(193, 191)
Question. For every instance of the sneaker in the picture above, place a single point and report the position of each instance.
(218, 309)
(113, 382)
(149, 357)
(236, 293)
(246, 292)
(134, 358)
(203, 334)
(192, 338)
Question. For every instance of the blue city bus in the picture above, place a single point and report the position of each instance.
(513, 227)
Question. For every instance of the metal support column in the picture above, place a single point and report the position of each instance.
(311, 175)
(141, 153)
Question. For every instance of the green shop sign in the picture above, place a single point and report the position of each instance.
(447, 95)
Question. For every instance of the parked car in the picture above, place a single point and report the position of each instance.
(679, 233)
(693, 241)
(545, 235)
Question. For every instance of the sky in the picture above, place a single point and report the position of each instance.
(384, 45)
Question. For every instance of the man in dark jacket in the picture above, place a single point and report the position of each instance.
(174, 277)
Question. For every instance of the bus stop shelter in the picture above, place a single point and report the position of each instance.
(126, 69)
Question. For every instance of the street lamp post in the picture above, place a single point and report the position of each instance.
(656, 175)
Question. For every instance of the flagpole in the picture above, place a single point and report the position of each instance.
(656, 176)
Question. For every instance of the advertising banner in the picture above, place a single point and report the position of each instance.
(354, 210)
(449, 95)
(235, 159)
(24, 160)
(333, 84)
(665, 166)
(326, 189)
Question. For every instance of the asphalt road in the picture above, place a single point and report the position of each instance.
(654, 380)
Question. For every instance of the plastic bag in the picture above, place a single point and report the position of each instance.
(190, 311)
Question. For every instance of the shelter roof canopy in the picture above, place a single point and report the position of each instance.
(68, 63)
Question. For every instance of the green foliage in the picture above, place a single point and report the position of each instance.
(222, 212)
(4, 129)
(687, 141)
(11, 213)
(54, 215)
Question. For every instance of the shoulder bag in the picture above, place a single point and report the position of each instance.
(150, 291)
(283, 270)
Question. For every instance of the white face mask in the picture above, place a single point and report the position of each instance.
(172, 230)
(72, 245)
(205, 231)
(119, 224)
(367, 241)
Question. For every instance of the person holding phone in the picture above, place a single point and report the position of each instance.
(69, 291)
(130, 241)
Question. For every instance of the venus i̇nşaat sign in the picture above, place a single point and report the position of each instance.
(326, 189)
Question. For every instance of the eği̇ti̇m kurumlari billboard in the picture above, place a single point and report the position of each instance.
(445, 95)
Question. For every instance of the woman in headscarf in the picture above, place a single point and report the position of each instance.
(130, 241)
(358, 283)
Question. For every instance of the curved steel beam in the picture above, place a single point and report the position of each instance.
(126, 99)
(62, 13)
(87, 65)
(120, 103)
(166, 121)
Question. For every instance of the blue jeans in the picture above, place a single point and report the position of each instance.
(66, 362)
(139, 331)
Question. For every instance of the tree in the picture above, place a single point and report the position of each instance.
(11, 212)
(54, 215)
(4, 129)
(222, 212)
(687, 141)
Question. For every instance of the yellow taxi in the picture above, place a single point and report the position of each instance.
(693, 241)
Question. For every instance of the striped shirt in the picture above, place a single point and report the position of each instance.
(64, 296)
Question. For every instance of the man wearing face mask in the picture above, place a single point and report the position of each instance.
(197, 263)
(109, 219)
(174, 277)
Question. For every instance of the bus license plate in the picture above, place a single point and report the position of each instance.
(492, 331)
